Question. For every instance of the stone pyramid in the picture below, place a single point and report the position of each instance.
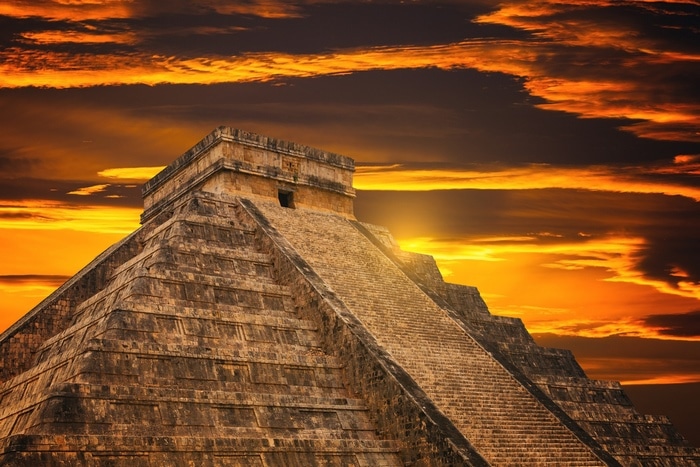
(252, 320)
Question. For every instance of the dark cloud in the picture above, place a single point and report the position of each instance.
(43, 279)
(401, 116)
(21, 189)
(656, 352)
(13, 165)
(634, 359)
(193, 30)
(670, 254)
(676, 325)
(19, 215)
(316, 28)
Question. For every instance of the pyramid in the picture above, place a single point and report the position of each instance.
(252, 320)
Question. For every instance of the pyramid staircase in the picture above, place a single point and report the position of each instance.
(191, 355)
(499, 417)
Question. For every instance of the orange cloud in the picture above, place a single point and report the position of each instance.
(51, 215)
(131, 173)
(397, 178)
(89, 190)
(599, 178)
(78, 37)
(632, 371)
(62, 10)
(595, 91)
(121, 9)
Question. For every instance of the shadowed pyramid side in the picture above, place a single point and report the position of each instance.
(192, 352)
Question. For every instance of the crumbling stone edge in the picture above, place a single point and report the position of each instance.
(397, 404)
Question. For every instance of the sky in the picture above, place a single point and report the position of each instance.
(546, 152)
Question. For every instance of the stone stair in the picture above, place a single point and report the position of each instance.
(499, 417)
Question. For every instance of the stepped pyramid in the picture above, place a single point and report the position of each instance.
(252, 320)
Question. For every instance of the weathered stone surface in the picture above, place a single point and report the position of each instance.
(244, 326)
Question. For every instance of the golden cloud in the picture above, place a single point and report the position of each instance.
(89, 190)
(51, 215)
(121, 9)
(131, 173)
(78, 37)
(597, 178)
(633, 371)
(396, 177)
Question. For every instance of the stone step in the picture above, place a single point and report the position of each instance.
(171, 286)
(219, 391)
(230, 262)
(267, 363)
(163, 273)
(89, 409)
(48, 450)
(235, 351)
(141, 322)
(242, 398)
(280, 307)
(196, 443)
(207, 232)
(651, 450)
(264, 380)
(235, 263)
(212, 293)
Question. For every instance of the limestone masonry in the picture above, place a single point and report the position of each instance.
(252, 320)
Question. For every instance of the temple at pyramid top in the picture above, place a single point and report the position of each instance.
(233, 161)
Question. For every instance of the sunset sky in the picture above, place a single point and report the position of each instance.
(547, 152)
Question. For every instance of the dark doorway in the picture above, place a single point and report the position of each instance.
(286, 198)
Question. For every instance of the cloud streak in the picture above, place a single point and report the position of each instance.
(536, 176)
(124, 9)
(43, 280)
(682, 325)
(52, 215)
